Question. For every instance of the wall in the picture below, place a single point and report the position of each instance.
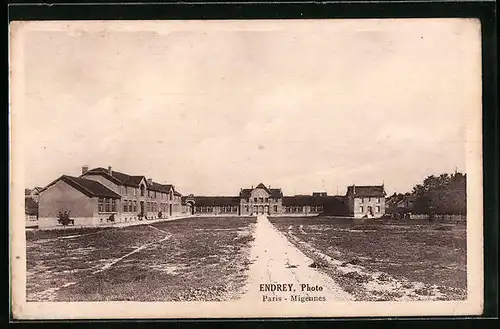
(63, 197)
(373, 202)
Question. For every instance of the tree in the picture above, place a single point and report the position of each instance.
(443, 194)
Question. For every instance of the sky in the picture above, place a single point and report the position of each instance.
(213, 107)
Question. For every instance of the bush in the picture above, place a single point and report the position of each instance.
(111, 218)
(63, 217)
(159, 214)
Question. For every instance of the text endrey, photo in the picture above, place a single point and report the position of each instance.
(321, 168)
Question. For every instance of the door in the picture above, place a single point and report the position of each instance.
(170, 209)
(266, 210)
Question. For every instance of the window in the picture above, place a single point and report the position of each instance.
(100, 205)
(377, 199)
(130, 205)
(113, 205)
(361, 209)
(300, 209)
(142, 190)
(377, 209)
(313, 209)
(154, 194)
(275, 208)
(254, 199)
(365, 200)
(246, 208)
(235, 209)
(135, 191)
(125, 206)
(107, 205)
(267, 199)
(261, 199)
(126, 190)
(135, 206)
(319, 208)
(254, 208)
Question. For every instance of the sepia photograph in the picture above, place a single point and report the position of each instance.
(232, 168)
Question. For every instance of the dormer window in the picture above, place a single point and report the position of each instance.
(142, 190)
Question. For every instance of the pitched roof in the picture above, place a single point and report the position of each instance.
(273, 192)
(30, 206)
(88, 187)
(309, 200)
(116, 176)
(217, 201)
(366, 191)
(165, 188)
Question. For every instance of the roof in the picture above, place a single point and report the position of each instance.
(217, 201)
(165, 188)
(309, 200)
(366, 191)
(30, 206)
(116, 176)
(88, 187)
(273, 192)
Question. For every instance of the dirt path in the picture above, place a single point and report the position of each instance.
(276, 261)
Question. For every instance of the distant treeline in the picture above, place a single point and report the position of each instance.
(443, 194)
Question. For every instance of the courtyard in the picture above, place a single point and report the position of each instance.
(182, 260)
(385, 260)
(228, 258)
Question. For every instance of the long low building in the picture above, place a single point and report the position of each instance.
(105, 196)
(365, 201)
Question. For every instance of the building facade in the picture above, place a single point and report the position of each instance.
(105, 196)
(366, 201)
(102, 196)
(271, 201)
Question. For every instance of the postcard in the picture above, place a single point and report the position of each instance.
(246, 168)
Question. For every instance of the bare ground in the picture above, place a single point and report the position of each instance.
(376, 260)
(203, 259)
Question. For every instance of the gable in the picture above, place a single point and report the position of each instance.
(259, 192)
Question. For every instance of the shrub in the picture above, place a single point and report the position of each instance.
(111, 218)
(159, 214)
(63, 217)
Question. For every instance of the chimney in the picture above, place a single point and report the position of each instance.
(252, 187)
(85, 168)
(150, 181)
(110, 170)
(269, 186)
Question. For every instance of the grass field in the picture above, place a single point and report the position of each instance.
(204, 259)
(383, 260)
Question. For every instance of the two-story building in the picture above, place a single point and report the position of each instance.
(366, 201)
(100, 196)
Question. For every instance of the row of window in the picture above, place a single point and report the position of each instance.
(294, 209)
(126, 190)
(377, 209)
(229, 209)
(316, 208)
(106, 205)
(365, 200)
(262, 200)
(129, 206)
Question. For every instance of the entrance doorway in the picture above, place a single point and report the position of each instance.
(170, 209)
